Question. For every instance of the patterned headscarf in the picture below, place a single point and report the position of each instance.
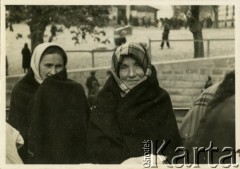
(36, 58)
(139, 53)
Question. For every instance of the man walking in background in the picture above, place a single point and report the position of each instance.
(165, 34)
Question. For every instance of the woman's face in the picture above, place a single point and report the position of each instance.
(50, 65)
(130, 72)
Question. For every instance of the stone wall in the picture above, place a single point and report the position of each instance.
(183, 80)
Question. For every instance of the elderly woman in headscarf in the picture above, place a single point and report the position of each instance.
(131, 109)
(49, 110)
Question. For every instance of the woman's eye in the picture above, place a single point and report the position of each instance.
(59, 66)
(48, 65)
(123, 67)
(137, 65)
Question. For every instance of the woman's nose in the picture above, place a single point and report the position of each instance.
(132, 72)
(53, 71)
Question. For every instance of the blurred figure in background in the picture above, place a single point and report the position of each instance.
(165, 34)
(93, 87)
(53, 31)
(120, 38)
(26, 58)
(208, 83)
(7, 66)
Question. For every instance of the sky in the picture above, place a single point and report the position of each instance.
(164, 11)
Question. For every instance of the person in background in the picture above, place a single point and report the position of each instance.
(130, 109)
(83, 33)
(49, 110)
(26, 58)
(14, 141)
(93, 93)
(93, 87)
(208, 83)
(165, 34)
(120, 38)
(53, 31)
(7, 66)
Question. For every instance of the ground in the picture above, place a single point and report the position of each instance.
(178, 50)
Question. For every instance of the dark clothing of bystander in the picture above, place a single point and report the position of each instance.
(165, 34)
(93, 88)
(26, 58)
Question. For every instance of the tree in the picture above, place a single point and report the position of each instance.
(196, 29)
(192, 15)
(215, 11)
(39, 17)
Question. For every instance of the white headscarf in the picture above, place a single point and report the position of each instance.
(36, 57)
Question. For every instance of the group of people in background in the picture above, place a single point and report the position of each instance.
(119, 39)
(52, 113)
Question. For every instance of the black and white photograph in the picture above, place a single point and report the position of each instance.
(130, 84)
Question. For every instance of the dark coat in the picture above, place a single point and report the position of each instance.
(218, 127)
(165, 33)
(218, 124)
(58, 126)
(118, 125)
(26, 58)
(22, 93)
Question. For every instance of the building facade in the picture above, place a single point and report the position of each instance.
(226, 16)
(136, 15)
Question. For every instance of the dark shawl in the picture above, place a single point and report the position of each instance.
(58, 126)
(21, 95)
(118, 126)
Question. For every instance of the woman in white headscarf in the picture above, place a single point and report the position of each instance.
(24, 90)
(47, 64)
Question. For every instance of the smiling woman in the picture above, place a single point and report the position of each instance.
(130, 109)
(130, 65)
(131, 73)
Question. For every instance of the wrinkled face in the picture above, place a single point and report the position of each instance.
(50, 65)
(130, 72)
